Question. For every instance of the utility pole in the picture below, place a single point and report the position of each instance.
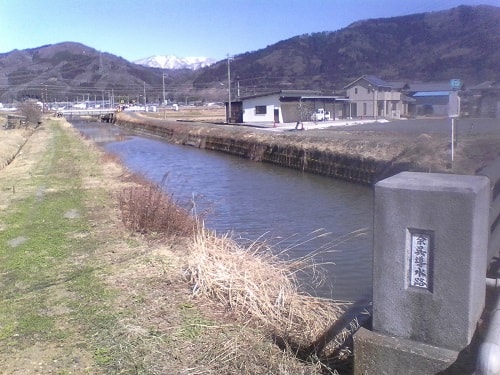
(229, 88)
(144, 95)
(163, 88)
(43, 102)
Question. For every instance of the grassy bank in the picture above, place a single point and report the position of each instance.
(85, 294)
(51, 297)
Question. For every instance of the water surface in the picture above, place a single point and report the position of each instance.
(299, 212)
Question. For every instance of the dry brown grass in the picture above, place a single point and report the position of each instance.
(260, 287)
(12, 142)
(189, 113)
(147, 209)
(250, 284)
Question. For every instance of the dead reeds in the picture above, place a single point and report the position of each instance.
(260, 286)
(146, 208)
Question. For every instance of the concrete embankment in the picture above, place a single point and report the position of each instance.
(256, 145)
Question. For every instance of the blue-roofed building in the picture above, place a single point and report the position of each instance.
(435, 98)
(372, 97)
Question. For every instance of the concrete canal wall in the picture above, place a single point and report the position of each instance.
(436, 301)
(354, 168)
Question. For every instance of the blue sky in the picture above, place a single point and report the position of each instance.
(135, 29)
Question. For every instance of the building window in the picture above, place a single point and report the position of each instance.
(355, 90)
(260, 109)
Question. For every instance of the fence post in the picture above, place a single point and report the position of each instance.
(429, 270)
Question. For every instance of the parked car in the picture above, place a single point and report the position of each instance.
(321, 115)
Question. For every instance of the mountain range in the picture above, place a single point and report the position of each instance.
(174, 62)
(461, 42)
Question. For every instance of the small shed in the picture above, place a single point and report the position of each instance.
(16, 121)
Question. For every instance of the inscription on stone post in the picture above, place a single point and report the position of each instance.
(420, 262)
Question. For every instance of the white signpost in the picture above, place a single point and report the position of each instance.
(454, 112)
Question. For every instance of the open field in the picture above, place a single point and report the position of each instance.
(209, 114)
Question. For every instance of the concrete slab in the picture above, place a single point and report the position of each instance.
(378, 354)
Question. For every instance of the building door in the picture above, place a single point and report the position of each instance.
(237, 112)
(353, 110)
(276, 115)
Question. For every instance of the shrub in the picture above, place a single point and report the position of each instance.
(148, 209)
(31, 111)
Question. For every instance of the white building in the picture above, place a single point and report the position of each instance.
(262, 108)
(284, 106)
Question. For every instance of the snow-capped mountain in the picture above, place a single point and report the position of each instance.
(174, 62)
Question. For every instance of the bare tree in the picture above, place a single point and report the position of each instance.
(31, 111)
(305, 110)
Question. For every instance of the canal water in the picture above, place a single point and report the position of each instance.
(297, 213)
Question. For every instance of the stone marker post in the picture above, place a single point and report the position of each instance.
(429, 270)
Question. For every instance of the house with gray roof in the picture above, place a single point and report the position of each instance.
(372, 97)
(485, 101)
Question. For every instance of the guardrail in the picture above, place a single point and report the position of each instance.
(85, 112)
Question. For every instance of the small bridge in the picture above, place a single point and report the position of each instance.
(105, 115)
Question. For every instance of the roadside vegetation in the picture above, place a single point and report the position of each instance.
(103, 273)
(31, 111)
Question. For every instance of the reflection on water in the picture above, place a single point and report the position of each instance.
(299, 212)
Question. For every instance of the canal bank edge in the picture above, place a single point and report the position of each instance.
(114, 302)
(271, 148)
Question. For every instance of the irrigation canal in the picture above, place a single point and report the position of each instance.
(294, 211)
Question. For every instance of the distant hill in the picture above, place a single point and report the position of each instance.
(71, 69)
(463, 42)
(174, 62)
